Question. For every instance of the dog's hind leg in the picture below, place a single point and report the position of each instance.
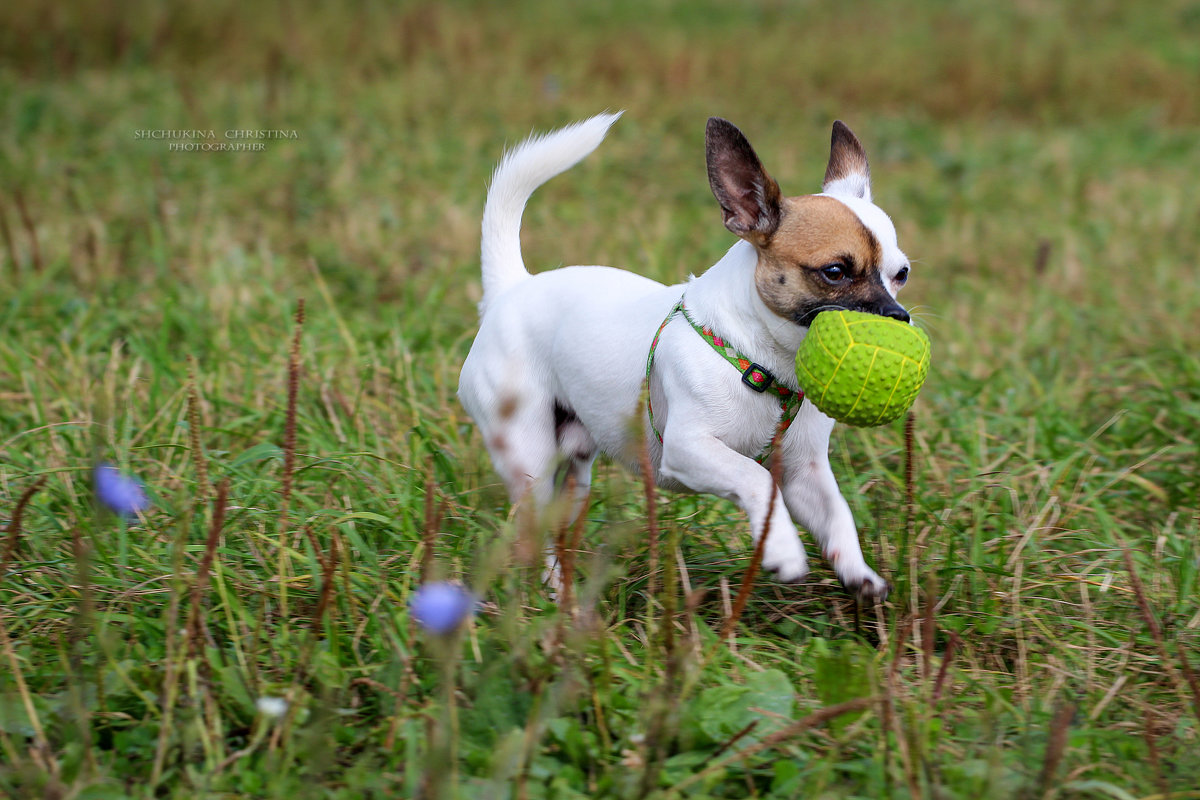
(539, 447)
(577, 452)
(524, 450)
(573, 482)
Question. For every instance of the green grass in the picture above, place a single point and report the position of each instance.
(1037, 160)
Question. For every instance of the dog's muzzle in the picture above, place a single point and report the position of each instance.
(891, 310)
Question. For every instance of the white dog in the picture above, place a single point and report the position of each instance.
(556, 373)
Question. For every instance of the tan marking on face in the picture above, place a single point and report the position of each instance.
(814, 232)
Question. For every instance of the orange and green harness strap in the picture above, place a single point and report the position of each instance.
(755, 376)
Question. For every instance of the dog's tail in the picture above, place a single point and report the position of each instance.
(522, 170)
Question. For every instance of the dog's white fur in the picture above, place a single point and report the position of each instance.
(577, 338)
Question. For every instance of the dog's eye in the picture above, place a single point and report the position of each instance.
(902, 276)
(834, 273)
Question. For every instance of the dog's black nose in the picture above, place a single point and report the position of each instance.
(885, 307)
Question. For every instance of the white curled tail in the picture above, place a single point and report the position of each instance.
(522, 170)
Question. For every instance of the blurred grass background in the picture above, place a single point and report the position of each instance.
(1036, 158)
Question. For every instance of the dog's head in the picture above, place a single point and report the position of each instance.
(831, 250)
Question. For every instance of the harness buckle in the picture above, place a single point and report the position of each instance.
(757, 377)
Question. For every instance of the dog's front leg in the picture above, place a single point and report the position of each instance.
(814, 500)
(703, 463)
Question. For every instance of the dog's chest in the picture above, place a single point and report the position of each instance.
(698, 386)
(743, 419)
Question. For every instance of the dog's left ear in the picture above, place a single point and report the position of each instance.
(749, 197)
(848, 171)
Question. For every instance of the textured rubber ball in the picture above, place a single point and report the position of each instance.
(862, 369)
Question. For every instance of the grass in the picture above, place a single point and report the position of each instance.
(1041, 638)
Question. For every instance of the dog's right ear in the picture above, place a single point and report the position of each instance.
(749, 197)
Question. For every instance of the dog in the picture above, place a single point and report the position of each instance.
(555, 375)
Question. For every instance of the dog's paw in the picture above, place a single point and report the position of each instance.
(786, 568)
(788, 573)
(867, 586)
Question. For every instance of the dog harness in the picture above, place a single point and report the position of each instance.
(754, 375)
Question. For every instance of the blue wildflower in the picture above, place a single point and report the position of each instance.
(440, 607)
(121, 494)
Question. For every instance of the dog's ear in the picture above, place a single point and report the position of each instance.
(749, 197)
(848, 171)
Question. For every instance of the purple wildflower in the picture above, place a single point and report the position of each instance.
(440, 607)
(119, 493)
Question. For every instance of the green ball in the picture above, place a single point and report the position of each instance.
(862, 369)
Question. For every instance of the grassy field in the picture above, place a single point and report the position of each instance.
(1043, 637)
